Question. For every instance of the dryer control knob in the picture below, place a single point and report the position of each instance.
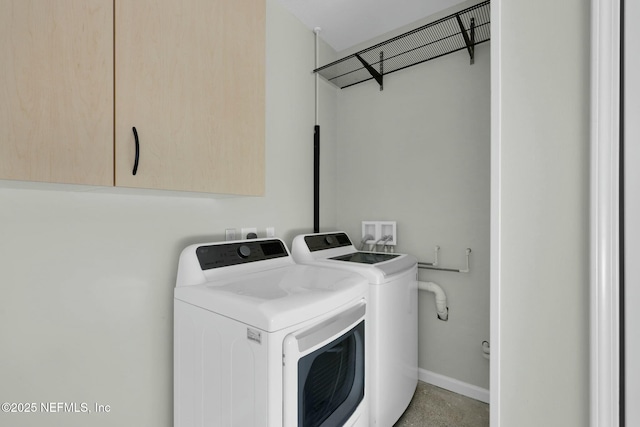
(329, 240)
(244, 251)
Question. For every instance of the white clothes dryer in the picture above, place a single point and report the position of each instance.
(393, 316)
(262, 341)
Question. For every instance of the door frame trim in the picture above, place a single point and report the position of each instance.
(605, 214)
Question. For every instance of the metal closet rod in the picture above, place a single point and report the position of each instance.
(434, 265)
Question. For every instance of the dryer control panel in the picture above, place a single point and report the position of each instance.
(318, 242)
(234, 253)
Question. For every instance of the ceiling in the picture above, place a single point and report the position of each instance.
(345, 23)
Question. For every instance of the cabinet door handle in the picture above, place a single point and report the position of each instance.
(135, 163)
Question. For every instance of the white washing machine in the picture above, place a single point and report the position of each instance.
(262, 341)
(393, 316)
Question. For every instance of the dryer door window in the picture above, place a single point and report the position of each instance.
(324, 371)
(331, 381)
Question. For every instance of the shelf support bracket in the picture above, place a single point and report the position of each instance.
(469, 41)
(375, 74)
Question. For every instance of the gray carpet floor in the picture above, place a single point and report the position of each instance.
(432, 406)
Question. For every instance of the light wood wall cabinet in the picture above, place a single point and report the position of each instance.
(56, 91)
(189, 77)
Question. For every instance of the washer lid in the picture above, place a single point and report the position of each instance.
(278, 298)
(365, 257)
(334, 250)
(378, 273)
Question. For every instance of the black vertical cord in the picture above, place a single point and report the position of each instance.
(621, 301)
(316, 179)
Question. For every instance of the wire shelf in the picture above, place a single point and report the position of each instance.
(458, 31)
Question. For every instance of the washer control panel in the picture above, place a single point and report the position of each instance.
(318, 242)
(234, 253)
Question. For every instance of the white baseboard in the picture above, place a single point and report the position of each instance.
(456, 386)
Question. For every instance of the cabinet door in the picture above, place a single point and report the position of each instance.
(190, 78)
(56, 91)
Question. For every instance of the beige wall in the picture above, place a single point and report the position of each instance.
(540, 184)
(87, 278)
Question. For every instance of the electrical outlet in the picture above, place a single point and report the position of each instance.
(245, 232)
(271, 232)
